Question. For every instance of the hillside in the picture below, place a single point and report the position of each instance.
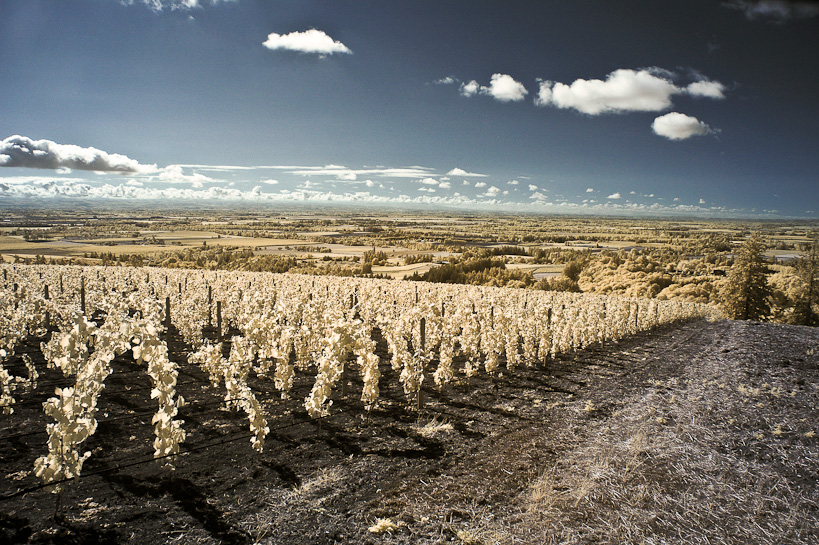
(703, 432)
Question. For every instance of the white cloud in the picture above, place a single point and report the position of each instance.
(369, 183)
(159, 5)
(480, 184)
(706, 88)
(341, 172)
(428, 181)
(492, 191)
(513, 182)
(502, 87)
(624, 90)
(449, 80)
(544, 93)
(173, 174)
(310, 41)
(470, 89)
(269, 182)
(21, 151)
(677, 126)
(461, 172)
(533, 187)
(615, 196)
(445, 185)
(427, 189)
(702, 201)
(589, 190)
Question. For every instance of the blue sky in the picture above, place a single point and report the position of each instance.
(651, 107)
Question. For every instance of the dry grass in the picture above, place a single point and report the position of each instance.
(434, 428)
(652, 474)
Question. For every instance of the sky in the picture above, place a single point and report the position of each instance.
(634, 107)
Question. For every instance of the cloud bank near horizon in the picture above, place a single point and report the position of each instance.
(21, 151)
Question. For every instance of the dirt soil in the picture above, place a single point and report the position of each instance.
(698, 433)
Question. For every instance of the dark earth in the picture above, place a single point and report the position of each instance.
(696, 433)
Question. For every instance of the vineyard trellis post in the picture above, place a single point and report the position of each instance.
(423, 338)
(47, 313)
(218, 321)
(210, 305)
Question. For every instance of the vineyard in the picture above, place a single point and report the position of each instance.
(163, 353)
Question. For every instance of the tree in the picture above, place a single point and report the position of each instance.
(808, 269)
(746, 291)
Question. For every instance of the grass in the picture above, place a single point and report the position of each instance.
(651, 475)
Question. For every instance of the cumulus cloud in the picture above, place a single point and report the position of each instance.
(492, 191)
(445, 185)
(776, 10)
(513, 182)
(677, 126)
(21, 151)
(471, 88)
(449, 80)
(533, 187)
(461, 172)
(310, 41)
(706, 88)
(544, 93)
(614, 196)
(480, 184)
(589, 190)
(502, 87)
(173, 174)
(624, 90)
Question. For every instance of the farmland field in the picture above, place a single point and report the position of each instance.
(399, 412)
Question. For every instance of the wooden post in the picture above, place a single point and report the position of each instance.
(180, 288)
(218, 321)
(167, 312)
(82, 294)
(423, 348)
(47, 314)
(210, 313)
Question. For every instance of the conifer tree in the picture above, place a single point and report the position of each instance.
(808, 270)
(745, 294)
